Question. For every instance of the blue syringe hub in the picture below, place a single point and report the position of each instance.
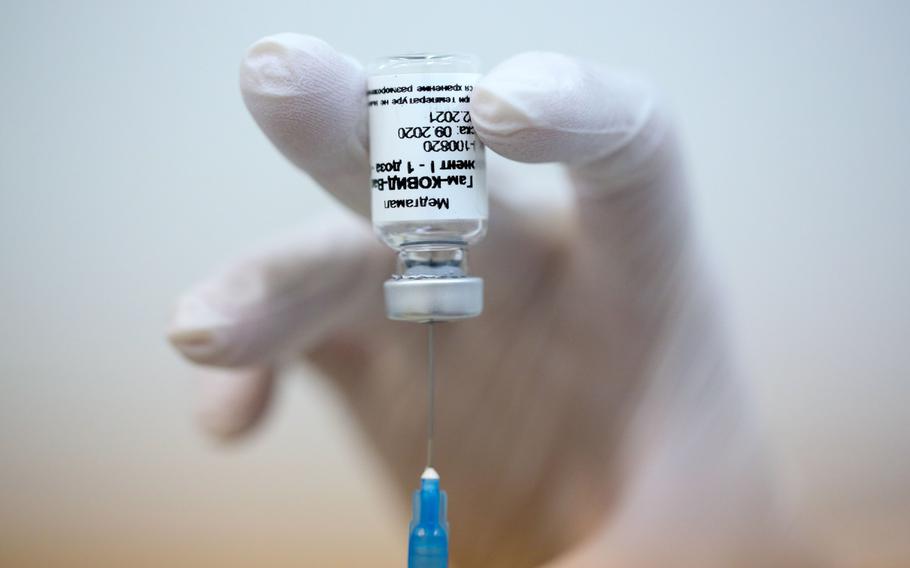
(428, 544)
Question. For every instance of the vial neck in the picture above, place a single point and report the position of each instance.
(432, 260)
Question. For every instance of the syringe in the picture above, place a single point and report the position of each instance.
(428, 542)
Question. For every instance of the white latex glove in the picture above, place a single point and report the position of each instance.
(589, 417)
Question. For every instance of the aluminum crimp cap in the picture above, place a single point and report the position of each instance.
(426, 299)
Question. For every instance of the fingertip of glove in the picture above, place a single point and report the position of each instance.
(544, 106)
(494, 115)
(210, 320)
(286, 64)
(518, 103)
(310, 101)
(194, 332)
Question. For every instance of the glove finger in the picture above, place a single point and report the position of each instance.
(609, 131)
(310, 101)
(548, 107)
(283, 298)
(232, 401)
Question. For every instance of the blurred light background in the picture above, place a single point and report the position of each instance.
(129, 168)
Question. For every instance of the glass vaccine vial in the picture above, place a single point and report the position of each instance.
(428, 189)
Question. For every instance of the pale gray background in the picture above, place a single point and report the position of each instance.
(129, 168)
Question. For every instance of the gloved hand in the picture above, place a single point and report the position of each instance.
(589, 417)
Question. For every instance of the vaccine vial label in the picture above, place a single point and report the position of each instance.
(426, 163)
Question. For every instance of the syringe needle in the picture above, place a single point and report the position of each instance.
(431, 394)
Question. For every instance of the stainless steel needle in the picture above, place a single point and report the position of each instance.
(431, 394)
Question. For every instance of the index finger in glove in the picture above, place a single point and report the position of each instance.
(617, 144)
(548, 107)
